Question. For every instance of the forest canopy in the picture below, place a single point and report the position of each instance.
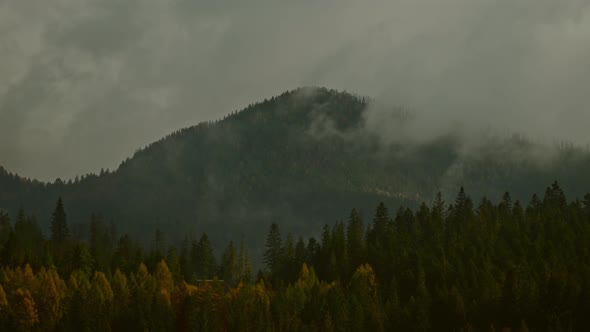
(456, 266)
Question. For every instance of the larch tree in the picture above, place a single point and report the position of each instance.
(24, 310)
(4, 313)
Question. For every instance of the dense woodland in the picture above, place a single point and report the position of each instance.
(298, 159)
(457, 266)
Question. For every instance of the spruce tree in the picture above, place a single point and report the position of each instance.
(273, 246)
(355, 241)
(229, 268)
(244, 263)
(203, 259)
(5, 229)
(59, 227)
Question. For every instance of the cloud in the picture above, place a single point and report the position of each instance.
(83, 83)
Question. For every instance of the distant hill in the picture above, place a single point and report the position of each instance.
(301, 159)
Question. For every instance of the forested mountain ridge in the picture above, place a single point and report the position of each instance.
(297, 159)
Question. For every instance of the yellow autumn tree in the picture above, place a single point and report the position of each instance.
(363, 291)
(24, 311)
(99, 303)
(165, 287)
(292, 302)
(181, 305)
(20, 278)
(121, 298)
(164, 278)
(4, 315)
(50, 298)
(77, 294)
(208, 308)
(144, 291)
(248, 308)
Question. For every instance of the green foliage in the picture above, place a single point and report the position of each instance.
(59, 225)
(203, 260)
(274, 248)
(298, 159)
(457, 268)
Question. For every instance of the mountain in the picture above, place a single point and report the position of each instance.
(300, 159)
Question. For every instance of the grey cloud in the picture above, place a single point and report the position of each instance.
(83, 83)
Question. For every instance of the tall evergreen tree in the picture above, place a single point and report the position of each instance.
(203, 259)
(59, 226)
(380, 221)
(229, 267)
(5, 229)
(173, 263)
(244, 262)
(272, 254)
(355, 241)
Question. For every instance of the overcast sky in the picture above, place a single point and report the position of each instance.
(84, 83)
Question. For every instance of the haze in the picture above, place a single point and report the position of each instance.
(83, 84)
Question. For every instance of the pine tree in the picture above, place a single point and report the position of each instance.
(380, 221)
(554, 197)
(339, 247)
(5, 229)
(174, 264)
(185, 260)
(244, 263)
(229, 267)
(158, 248)
(300, 252)
(59, 227)
(327, 268)
(272, 254)
(203, 259)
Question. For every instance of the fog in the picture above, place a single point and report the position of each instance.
(84, 83)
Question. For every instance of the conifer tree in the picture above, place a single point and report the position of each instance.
(300, 252)
(4, 312)
(81, 259)
(380, 221)
(121, 301)
(272, 254)
(50, 298)
(173, 263)
(244, 263)
(203, 259)
(98, 305)
(59, 225)
(229, 267)
(24, 310)
(5, 229)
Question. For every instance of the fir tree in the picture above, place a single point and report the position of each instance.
(59, 227)
(272, 254)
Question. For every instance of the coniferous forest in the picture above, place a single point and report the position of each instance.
(299, 159)
(458, 265)
(286, 166)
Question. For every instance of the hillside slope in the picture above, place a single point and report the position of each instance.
(301, 159)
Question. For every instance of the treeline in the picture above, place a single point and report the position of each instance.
(444, 267)
(456, 267)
